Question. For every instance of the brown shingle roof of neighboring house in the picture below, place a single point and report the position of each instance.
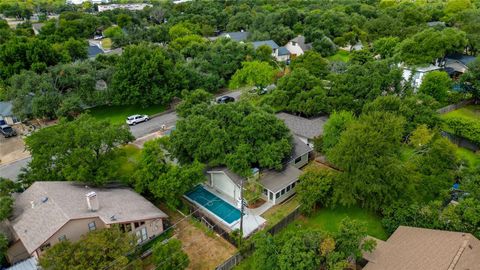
(411, 248)
(305, 127)
(45, 207)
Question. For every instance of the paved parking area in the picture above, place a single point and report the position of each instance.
(12, 149)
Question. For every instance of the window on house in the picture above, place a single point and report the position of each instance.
(283, 191)
(297, 160)
(62, 238)
(293, 184)
(126, 227)
(271, 196)
(92, 226)
(277, 195)
(265, 192)
(288, 188)
(142, 235)
(294, 43)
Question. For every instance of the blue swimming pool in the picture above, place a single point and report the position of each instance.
(214, 204)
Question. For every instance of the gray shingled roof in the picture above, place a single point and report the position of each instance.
(276, 181)
(237, 36)
(300, 40)
(426, 249)
(6, 108)
(66, 201)
(299, 148)
(305, 127)
(283, 51)
(269, 43)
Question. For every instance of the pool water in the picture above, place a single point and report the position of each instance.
(214, 204)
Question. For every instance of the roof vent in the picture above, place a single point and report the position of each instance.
(44, 199)
(113, 218)
(92, 201)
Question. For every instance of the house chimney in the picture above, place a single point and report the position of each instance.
(92, 201)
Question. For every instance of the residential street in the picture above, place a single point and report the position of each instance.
(12, 170)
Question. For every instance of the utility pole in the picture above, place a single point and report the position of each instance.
(241, 213)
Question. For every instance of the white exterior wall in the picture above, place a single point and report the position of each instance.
(294, 50)
(303, 161)
(281, 198)
(282, 58)
(223, 184)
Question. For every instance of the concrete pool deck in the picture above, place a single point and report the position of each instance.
(252, 221)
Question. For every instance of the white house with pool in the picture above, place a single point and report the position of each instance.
(220, 196)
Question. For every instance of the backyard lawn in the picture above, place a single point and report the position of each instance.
(276, 213)
(341, 55)
(118, 114)
(472, 158)
(329, 220)
(470, 111)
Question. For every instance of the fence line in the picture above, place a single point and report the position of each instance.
(461, 141)
(456, 106)
(238, 257)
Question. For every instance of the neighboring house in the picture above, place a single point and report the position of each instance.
(416, 75)
(237, 36)
(277, 185)
(79, 2)
(436, 24)
(123, 6)
(50, 212)
(297, 46)
(28, 264)
(279, 53)
(457, 64)
(37, 27)
(417, 248)
(6, 113)
(307, 129)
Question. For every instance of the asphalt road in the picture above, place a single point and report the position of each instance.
(12, 170)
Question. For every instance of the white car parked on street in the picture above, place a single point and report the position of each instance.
(137, 118)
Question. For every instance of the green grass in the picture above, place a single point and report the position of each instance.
(329, 219)
(127, 157)
(118, 114)
(341, 55)
(472, 158)
(470, 112)
(276, 213)
(106, 43)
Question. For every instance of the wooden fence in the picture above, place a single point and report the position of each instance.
(461, 142)
(454, 107)
(233, 261)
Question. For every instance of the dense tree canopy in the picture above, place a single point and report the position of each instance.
(84, 254)
(238, 135)
(80, 150)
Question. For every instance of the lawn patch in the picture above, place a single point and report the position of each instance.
(472, 158)
(278, 212)
(119, 114)
(341, 55)
(329, 219)
(470, 112)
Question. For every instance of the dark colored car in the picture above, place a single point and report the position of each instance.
(225, 99)
(7, 131)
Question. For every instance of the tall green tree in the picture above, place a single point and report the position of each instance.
(436, 84)
(368, 156)
(80, 150)
(144, 75)
(255, 73)
(315, 189)
(336, 124)
(84, 254)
